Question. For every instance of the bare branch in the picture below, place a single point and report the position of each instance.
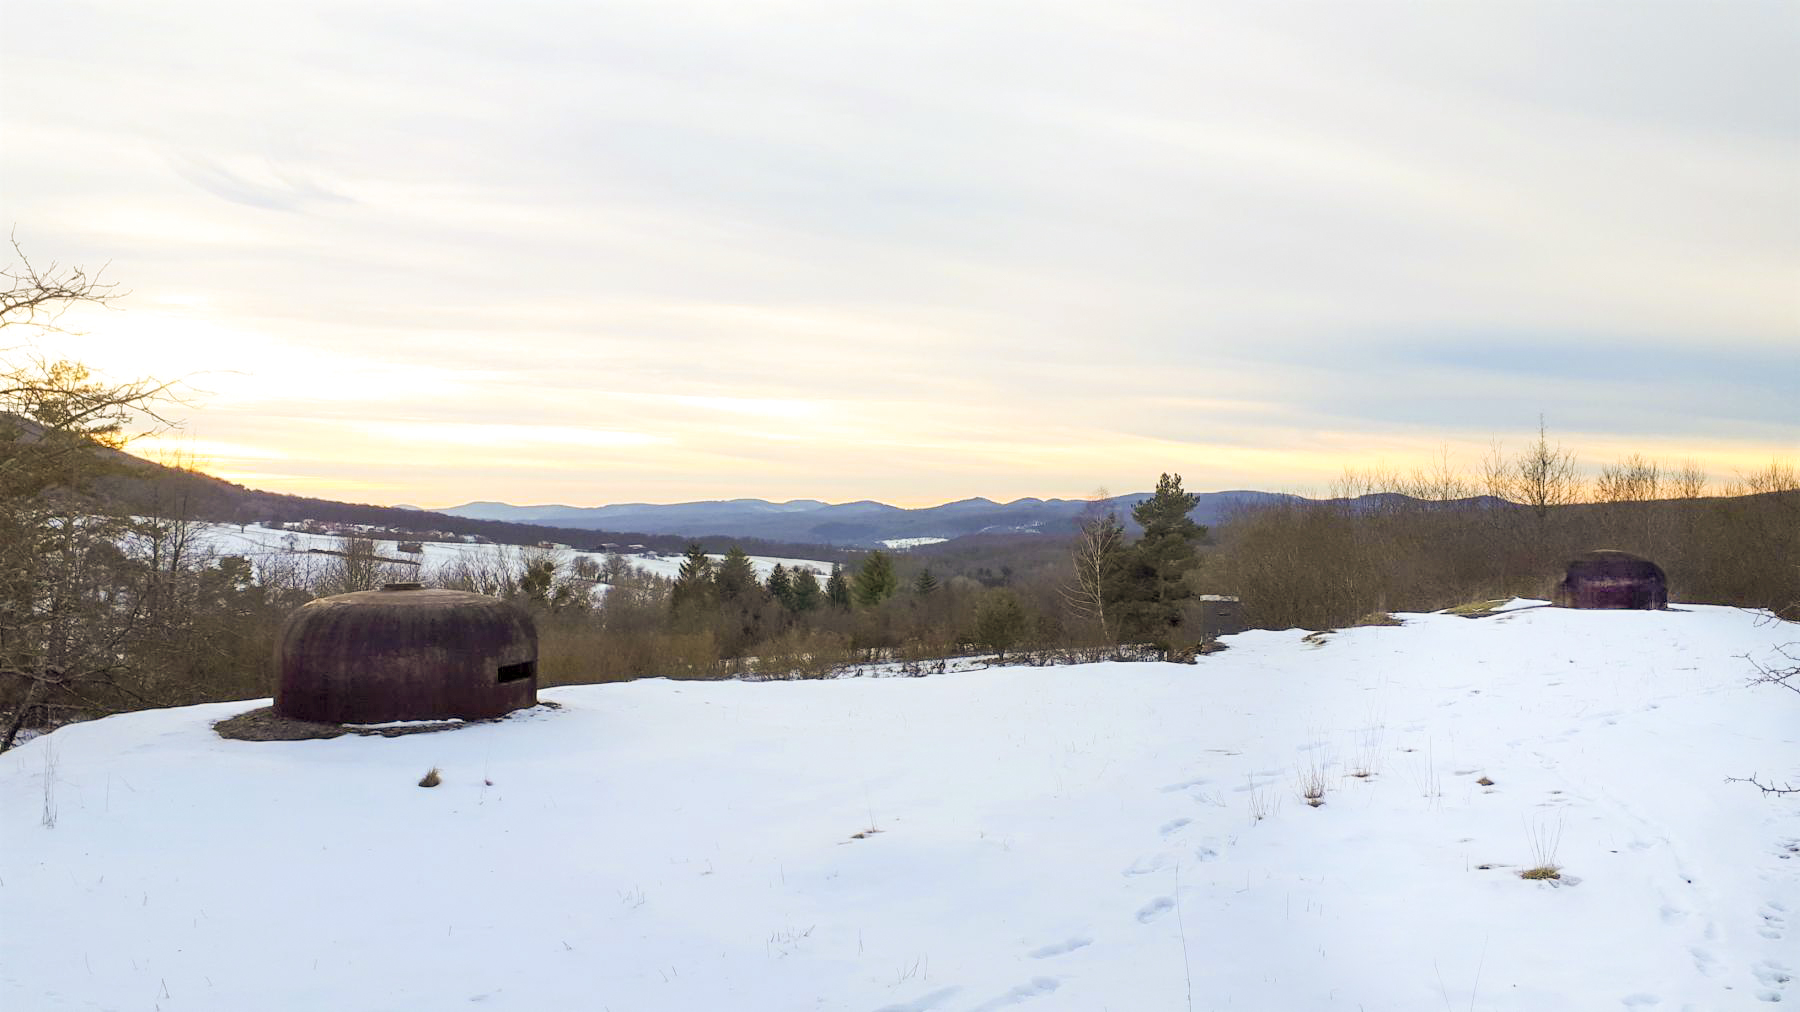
(37, 297)
(1768, 788)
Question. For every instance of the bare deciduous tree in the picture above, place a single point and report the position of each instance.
(38, 297)
(1541, 477)
(64, 622)
(1097, 556)
(1688, 481)
(1635, 478)
(1779, 476)
(358, 566)
(1441, 481)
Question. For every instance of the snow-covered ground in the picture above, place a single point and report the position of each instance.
(902, 544)
(260, 543)
(1109, 836)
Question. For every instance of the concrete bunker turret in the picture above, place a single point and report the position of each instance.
(405, 653)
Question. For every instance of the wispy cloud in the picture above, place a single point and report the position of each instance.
(267, 186)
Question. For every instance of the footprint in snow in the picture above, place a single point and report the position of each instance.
(1773, 922)
(1773, 977)
(1258, 781)
(1185, 784)
(924, 1003)
(1033, 988)
(1061, 948)
(1154, 909)
(1640, 1000)
(1173, 826)
(1147, 865)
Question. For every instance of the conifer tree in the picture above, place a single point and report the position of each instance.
(837, 588)
(694, 583)
(781, 586)
(736, 578)
(1000, 620)
(737, 621)
(1154, 584)
(806, 592)
(875, 580)
(925, 584)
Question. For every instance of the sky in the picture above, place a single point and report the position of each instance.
(665, 251)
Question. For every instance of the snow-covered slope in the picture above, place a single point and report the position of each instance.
(1074, 838)
(260, 542)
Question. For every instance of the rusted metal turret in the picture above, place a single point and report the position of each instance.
(1609, 579)
(405, 653)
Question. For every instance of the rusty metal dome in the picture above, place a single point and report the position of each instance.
(1610, 579)
(405, 653)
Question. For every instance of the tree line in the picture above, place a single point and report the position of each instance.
(1440, 535)
(109, 604)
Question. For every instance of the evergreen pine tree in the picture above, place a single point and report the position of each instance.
(875, 580)
(781, 586)
(806, 593)
(837, 588)
(925, 584)
(1000, 620)
(736, 577)
(694, 584)
(1153, 585)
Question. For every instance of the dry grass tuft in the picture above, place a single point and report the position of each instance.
(1475, 609)
(1544, 842)
(431, 778)
(1312, 785)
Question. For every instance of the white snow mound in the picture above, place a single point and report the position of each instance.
(1075, 838)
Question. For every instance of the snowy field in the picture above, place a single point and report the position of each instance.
(1111, 836)
(903, 544)
(258, 543)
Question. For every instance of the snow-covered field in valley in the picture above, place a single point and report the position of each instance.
(258, 543)
(1110, 836)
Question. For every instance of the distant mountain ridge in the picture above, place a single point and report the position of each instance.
(863, 523)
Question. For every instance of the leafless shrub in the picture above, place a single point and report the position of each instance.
(802, 653)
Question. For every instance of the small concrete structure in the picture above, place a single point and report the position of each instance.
(1221, 615)
(405, 653)
(1609, 579)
